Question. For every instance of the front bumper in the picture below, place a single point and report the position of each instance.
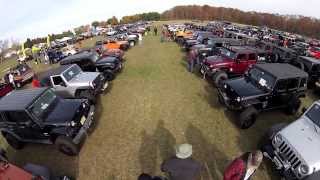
(83, 132)
(206, 70)
(227, 101)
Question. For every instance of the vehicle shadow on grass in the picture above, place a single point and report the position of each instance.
(45, 155)
(212, 96)
(97, 115)
(207, 153)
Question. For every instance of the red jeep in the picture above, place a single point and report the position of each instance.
(314, 52)
(232, 62)
(5, 88)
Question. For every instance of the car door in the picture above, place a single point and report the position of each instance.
(280, 95)
(60, 86)
(241, 64)
(22, 125)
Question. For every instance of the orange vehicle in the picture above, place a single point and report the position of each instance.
(112, 44)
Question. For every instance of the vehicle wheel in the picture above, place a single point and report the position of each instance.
(109, 75)
(132, 43)
(293, 106)
(248, 117)
(218, 77)
(14, 142)
(90, 97)
(66, 146)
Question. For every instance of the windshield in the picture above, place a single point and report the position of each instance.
(40, 107)
(314, 114)
(227, 53)
(262, 78)
(71, 72)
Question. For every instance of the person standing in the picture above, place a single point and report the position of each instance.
(155, 30)
(182, 166)
(243, 167)
(11, 79)
(191, 63)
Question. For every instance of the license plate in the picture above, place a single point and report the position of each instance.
(83, 120)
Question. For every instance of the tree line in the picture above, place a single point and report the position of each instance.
(307, 26)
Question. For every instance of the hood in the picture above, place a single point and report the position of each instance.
(58, 115)
(84, 78)
(305, 139)
(108, 59)
(243, 88)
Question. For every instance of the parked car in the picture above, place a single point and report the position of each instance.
(283, 55)
(91, 62)
(5, 88)
(311, 66)
(22, 74)
(314, 52)
(29, 171)
(294, 148)
(70, 81)
(232, 62)
(39, 116)
(264, 87)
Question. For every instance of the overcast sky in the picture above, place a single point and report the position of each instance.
(21, 19)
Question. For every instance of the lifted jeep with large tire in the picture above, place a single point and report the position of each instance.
(264, 87)
(71, 82)
(40, 116)
(294, 148)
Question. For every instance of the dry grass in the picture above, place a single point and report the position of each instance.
(153, 105)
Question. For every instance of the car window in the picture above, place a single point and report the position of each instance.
(252, 56)
(57, 80)
(293, 83)
(303, 82)
(71, 72)
(41, 106)
(242, 57)
(281, 85)
(17, 116)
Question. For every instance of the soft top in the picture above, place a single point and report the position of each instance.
(282, 70)
(19, 100)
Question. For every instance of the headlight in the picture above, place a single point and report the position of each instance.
(204, 54)
(211, 66)
(225, 86)
(303, 169)
(238, 99)
(278, 139)
(92, 84)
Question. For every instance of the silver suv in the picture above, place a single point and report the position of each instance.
(295, 149)
(71, 82)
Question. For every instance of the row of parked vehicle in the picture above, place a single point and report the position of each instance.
(253, 74)
(61, 111)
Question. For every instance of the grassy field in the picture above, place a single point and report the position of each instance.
(153, 105)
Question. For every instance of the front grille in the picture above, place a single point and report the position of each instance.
(287, 153)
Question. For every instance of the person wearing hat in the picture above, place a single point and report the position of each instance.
(243, 167)
(182, 166)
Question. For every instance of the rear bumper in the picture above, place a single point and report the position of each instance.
(83, 132)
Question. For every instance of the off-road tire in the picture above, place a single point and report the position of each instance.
(132, 43)
(109, 75)
(218, 77)
(66, 146)
(293, 106)
(89, 96)
(13, 141)
(248, 117)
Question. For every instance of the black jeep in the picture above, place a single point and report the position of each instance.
(311, 66)
(90, 61)
(264, 87)
(40, 116)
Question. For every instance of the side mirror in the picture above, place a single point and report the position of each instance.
(304, 109)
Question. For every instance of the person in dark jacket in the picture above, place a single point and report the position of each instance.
(243, 167)
(182, 166)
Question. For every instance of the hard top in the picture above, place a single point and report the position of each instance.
(309, 59)
(78, 57)
(19, 100)
(282, 70)
(54, 71)
(242, 49)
